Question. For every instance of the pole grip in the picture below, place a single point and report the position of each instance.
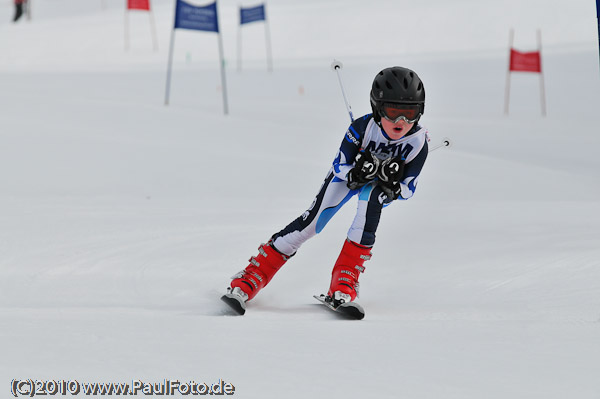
(446, 142)
(336, 66)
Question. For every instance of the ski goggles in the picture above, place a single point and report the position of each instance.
(410, 113)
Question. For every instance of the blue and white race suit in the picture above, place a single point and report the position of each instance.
(364, 134)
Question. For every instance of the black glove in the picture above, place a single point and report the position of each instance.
(392, 190)
(390, 173)
(365, 169)
(391, 169)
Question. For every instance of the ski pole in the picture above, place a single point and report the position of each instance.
(336, 66)
(445, 143)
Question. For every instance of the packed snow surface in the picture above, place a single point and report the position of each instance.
(122, 219)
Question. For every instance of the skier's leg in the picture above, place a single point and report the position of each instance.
(284, 244)
(371, 201)
(331, 197)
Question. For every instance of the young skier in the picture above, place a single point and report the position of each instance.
(380, 159)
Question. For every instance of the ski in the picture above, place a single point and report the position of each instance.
(235, 302)
(349, 310)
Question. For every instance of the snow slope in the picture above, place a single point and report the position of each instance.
(122, 219)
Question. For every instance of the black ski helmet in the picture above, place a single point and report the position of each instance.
(396, 85)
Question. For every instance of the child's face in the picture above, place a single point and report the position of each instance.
(396, 130)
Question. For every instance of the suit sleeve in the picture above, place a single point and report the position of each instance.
(412, 170)
(350, 147)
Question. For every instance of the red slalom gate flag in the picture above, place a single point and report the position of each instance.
(525, 62)
(138, 5)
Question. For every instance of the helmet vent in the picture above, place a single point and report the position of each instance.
(405, 84)
(388, 85)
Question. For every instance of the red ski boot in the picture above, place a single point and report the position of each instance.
(344, 277)
(259, 272)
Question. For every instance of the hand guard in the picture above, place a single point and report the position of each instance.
(391, 169)
(390, 173)
(365, 169)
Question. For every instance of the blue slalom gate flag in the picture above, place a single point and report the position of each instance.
(188, 16)
(202, 18)
(254, 14)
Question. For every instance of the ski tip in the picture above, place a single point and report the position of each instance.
(348, 310)
(351, 312)
(237, 305)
